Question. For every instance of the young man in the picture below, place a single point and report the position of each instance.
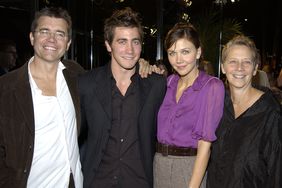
(39, 111)
(119, 111)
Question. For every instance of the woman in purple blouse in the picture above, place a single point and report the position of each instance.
(189, 114)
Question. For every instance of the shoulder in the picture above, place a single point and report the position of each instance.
(155, 79)
(270, 101)
(94, 76)
(269, 110)
(216, 84)
(73, 66)
(155, 83)
(268, 98)
(94, 73)
(212, 79)
(14, 78)
(171, 78)
(209, 82)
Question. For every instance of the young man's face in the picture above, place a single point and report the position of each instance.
(125, 48)
(50, 39)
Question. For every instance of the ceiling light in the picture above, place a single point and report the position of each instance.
(185, 17)
(187, 3)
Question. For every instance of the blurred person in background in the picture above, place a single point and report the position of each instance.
(8, 56)
(207, 67)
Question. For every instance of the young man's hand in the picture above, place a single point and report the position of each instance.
(146, 69)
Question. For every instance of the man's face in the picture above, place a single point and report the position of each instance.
(50, 39)
(126, 48)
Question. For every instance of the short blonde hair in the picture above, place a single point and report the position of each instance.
(243, 41)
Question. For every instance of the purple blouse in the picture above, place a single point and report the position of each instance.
(195, 116)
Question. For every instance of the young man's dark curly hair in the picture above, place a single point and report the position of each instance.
(122, 18)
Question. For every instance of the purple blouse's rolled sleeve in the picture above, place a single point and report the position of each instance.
(211, 109)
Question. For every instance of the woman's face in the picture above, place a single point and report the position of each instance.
(239, 66)
(183, 56)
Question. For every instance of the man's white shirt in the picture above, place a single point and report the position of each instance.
(56, 152)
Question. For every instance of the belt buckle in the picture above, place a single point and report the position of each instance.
(165, 150)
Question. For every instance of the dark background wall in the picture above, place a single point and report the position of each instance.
(263, 24)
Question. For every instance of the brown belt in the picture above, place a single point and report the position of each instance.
(174, 150)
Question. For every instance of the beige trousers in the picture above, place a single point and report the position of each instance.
(173, 171)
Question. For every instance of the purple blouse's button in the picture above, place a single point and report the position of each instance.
(177, 113)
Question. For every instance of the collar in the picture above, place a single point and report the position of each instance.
(61, 67)
(199, 82)
(134, 77)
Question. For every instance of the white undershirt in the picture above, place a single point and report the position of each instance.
(55, 143)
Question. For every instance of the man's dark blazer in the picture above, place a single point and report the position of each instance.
(95, 94)
(17, 122)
